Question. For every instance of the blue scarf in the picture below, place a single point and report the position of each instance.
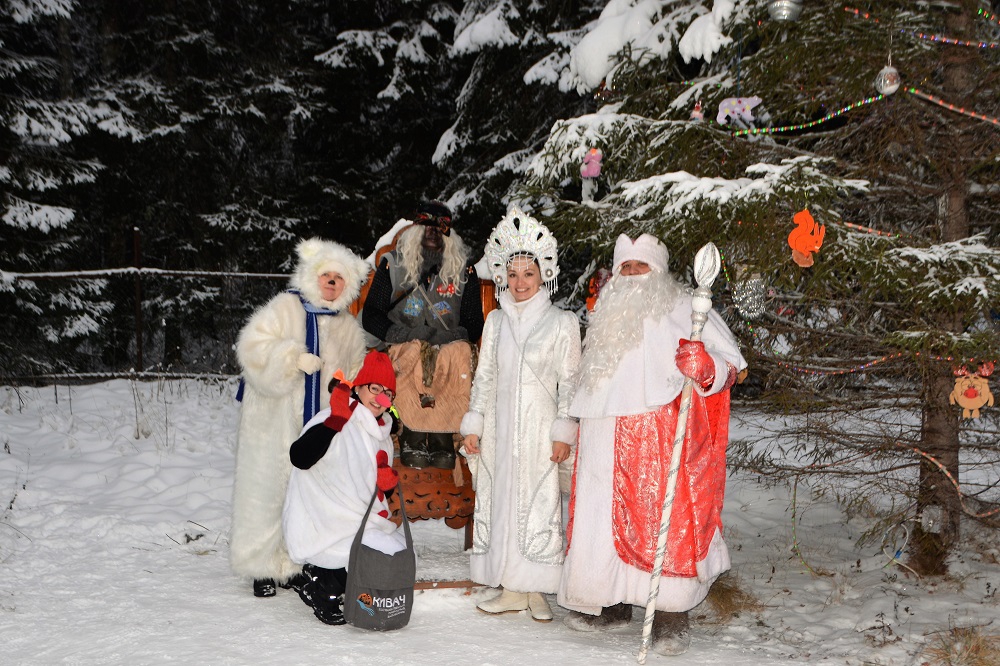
(310, 404)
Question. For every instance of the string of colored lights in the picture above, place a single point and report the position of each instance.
(926, 36)
(790, 128)
(951, 107)
(988, 16)
(858, 368)
(887, 234)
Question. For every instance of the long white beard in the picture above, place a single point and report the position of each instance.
(616, 323)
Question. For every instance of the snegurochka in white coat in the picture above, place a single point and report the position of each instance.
(518, 424)
(275, 362)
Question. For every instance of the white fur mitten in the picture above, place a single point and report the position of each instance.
(309, 363)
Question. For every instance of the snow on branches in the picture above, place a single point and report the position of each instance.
(27, 215)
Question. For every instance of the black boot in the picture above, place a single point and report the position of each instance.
(413, 449)
(307, 590)
(671, 633)
(264, 587)
(441, 449)
(329, 611)
(611, 617)
(329, 587)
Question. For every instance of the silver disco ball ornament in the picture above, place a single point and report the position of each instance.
(748, 296)
(784, 10)
(888, 80)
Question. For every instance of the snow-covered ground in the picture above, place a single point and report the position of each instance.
(113, 550)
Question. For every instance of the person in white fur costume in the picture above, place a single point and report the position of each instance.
(518, 429)
(288, 351)
(635, 361)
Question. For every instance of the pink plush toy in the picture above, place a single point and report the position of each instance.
(591, 167)
(737, 107)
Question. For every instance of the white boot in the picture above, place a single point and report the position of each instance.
(506, 602)
(539, 607)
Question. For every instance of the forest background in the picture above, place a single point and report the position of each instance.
(175, 152)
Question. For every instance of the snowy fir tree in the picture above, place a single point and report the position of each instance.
(454, 94)
(393, 85)
(43, 167)
(224, 141)
(512, 53)
(858, 227)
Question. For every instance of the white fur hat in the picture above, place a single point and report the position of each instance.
(645, 248)
(319, 256)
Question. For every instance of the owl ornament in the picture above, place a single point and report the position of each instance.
(972, 390)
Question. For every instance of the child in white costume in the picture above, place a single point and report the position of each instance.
(517, 430)
(338, 463)
(288, 351)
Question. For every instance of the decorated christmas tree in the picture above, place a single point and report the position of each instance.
(845, 161)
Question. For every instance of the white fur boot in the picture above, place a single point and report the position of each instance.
(539, 607)
(506, 602)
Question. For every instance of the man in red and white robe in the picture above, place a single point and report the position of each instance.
(636, 358)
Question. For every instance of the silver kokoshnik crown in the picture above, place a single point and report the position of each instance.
(518, 233)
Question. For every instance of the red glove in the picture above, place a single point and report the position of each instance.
(694, 362)
(340, 407)
(386, 477)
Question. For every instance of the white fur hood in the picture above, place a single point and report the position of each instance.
(318, 256)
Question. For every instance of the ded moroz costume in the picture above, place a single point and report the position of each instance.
(627, 402)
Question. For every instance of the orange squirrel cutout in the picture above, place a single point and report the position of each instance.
(972, 391)
(806, 238)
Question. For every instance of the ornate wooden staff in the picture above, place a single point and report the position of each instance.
(706, 268)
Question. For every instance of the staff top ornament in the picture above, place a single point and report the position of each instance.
(806, 238)
(972, 390)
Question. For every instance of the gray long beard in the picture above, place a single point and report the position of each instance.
(616, 324)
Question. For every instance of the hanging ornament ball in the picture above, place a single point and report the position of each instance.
(888, 80)
(784, 11)
(748, 296)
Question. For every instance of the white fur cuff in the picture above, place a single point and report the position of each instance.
(721, 375)
(564, 430)
(473, 423)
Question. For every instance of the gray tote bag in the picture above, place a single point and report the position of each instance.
(379, 593)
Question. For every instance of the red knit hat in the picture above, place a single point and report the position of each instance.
(377, 369)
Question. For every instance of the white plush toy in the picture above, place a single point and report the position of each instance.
(737, 107)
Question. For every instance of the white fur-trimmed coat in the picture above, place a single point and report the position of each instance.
(519, 405)
(271, 414)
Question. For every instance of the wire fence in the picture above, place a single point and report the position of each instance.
(154, 323)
